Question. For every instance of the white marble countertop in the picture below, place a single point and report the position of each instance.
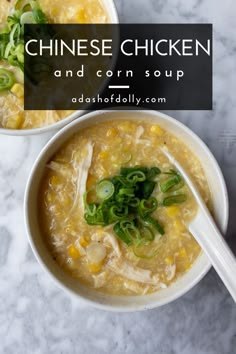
(36, 317)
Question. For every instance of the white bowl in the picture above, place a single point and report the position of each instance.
(124, 303)
(110, 7)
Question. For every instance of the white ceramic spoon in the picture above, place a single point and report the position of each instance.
(205, 231)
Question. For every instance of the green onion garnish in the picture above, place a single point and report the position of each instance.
(174, 199)
(174, 181)
(147, 206)
(148, 219)
(7, 79)
(12, 36)
(105, 189)
(126, 201)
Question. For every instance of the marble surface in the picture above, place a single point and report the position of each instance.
(36, 317)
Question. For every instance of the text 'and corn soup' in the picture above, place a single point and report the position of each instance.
(13, 16)
(113, 209)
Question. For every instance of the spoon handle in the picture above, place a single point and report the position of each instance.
(205, 231)
(212, 242)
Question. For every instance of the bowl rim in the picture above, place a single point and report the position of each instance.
(78, 113)
(60, 284)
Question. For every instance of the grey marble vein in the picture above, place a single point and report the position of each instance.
(37, 318)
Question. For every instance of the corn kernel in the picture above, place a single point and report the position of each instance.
(18, 90)
(118, 141)
(73, 252)
(54, 12)
(54, 181)
(15, 121)
(157, 130)
(126, 127)
(182, 252)
(49, 197)
(66, 201)
(111, 132)
(169, 260)
(70, 229)
(95, 268)
(83, 242)
(187, 266)
(178, 225)
(172, 210)
(80, 16)
(103, 154)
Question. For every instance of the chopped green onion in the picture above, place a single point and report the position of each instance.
(19, 51)
(144, 250)
(38, 14)
(127, 231)
(118, 213)
(147, 206)
(105, 189)
(12, 39)
(19, 4)
(95, 219)
(174, 199)
(92, 208)
(134, 202)
(126, 201)
(27, 18)
(121, 234)
(168, 184)
(125, 171)
(147, 234)
(147, 188)
(136, 176)
(148, 219)
(153, 172)
(7, 79)
(129, 192)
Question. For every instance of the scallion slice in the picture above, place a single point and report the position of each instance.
(27, 18)
(174, 199)
(171, 182)
(147, 206)
(7, 79)
(121, 234)
(143, 250)
(136, 176)
(105, 189)
(153, 222)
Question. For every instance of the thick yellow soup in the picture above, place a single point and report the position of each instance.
(12, 114)
(113, 209)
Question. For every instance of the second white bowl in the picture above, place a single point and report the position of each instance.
(113, 18)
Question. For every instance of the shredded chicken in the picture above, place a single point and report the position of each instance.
(58, 167)
(128, 271)
(100, 279)
(82, 175)
(170, 271)
(136, 288)
(139, 133)
(98, 237)
(111, 239)
(80, 248)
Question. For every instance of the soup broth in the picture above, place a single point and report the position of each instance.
(12, 114)
(94, 254)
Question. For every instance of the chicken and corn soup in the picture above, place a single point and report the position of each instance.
(13, 16)
(113, 209)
